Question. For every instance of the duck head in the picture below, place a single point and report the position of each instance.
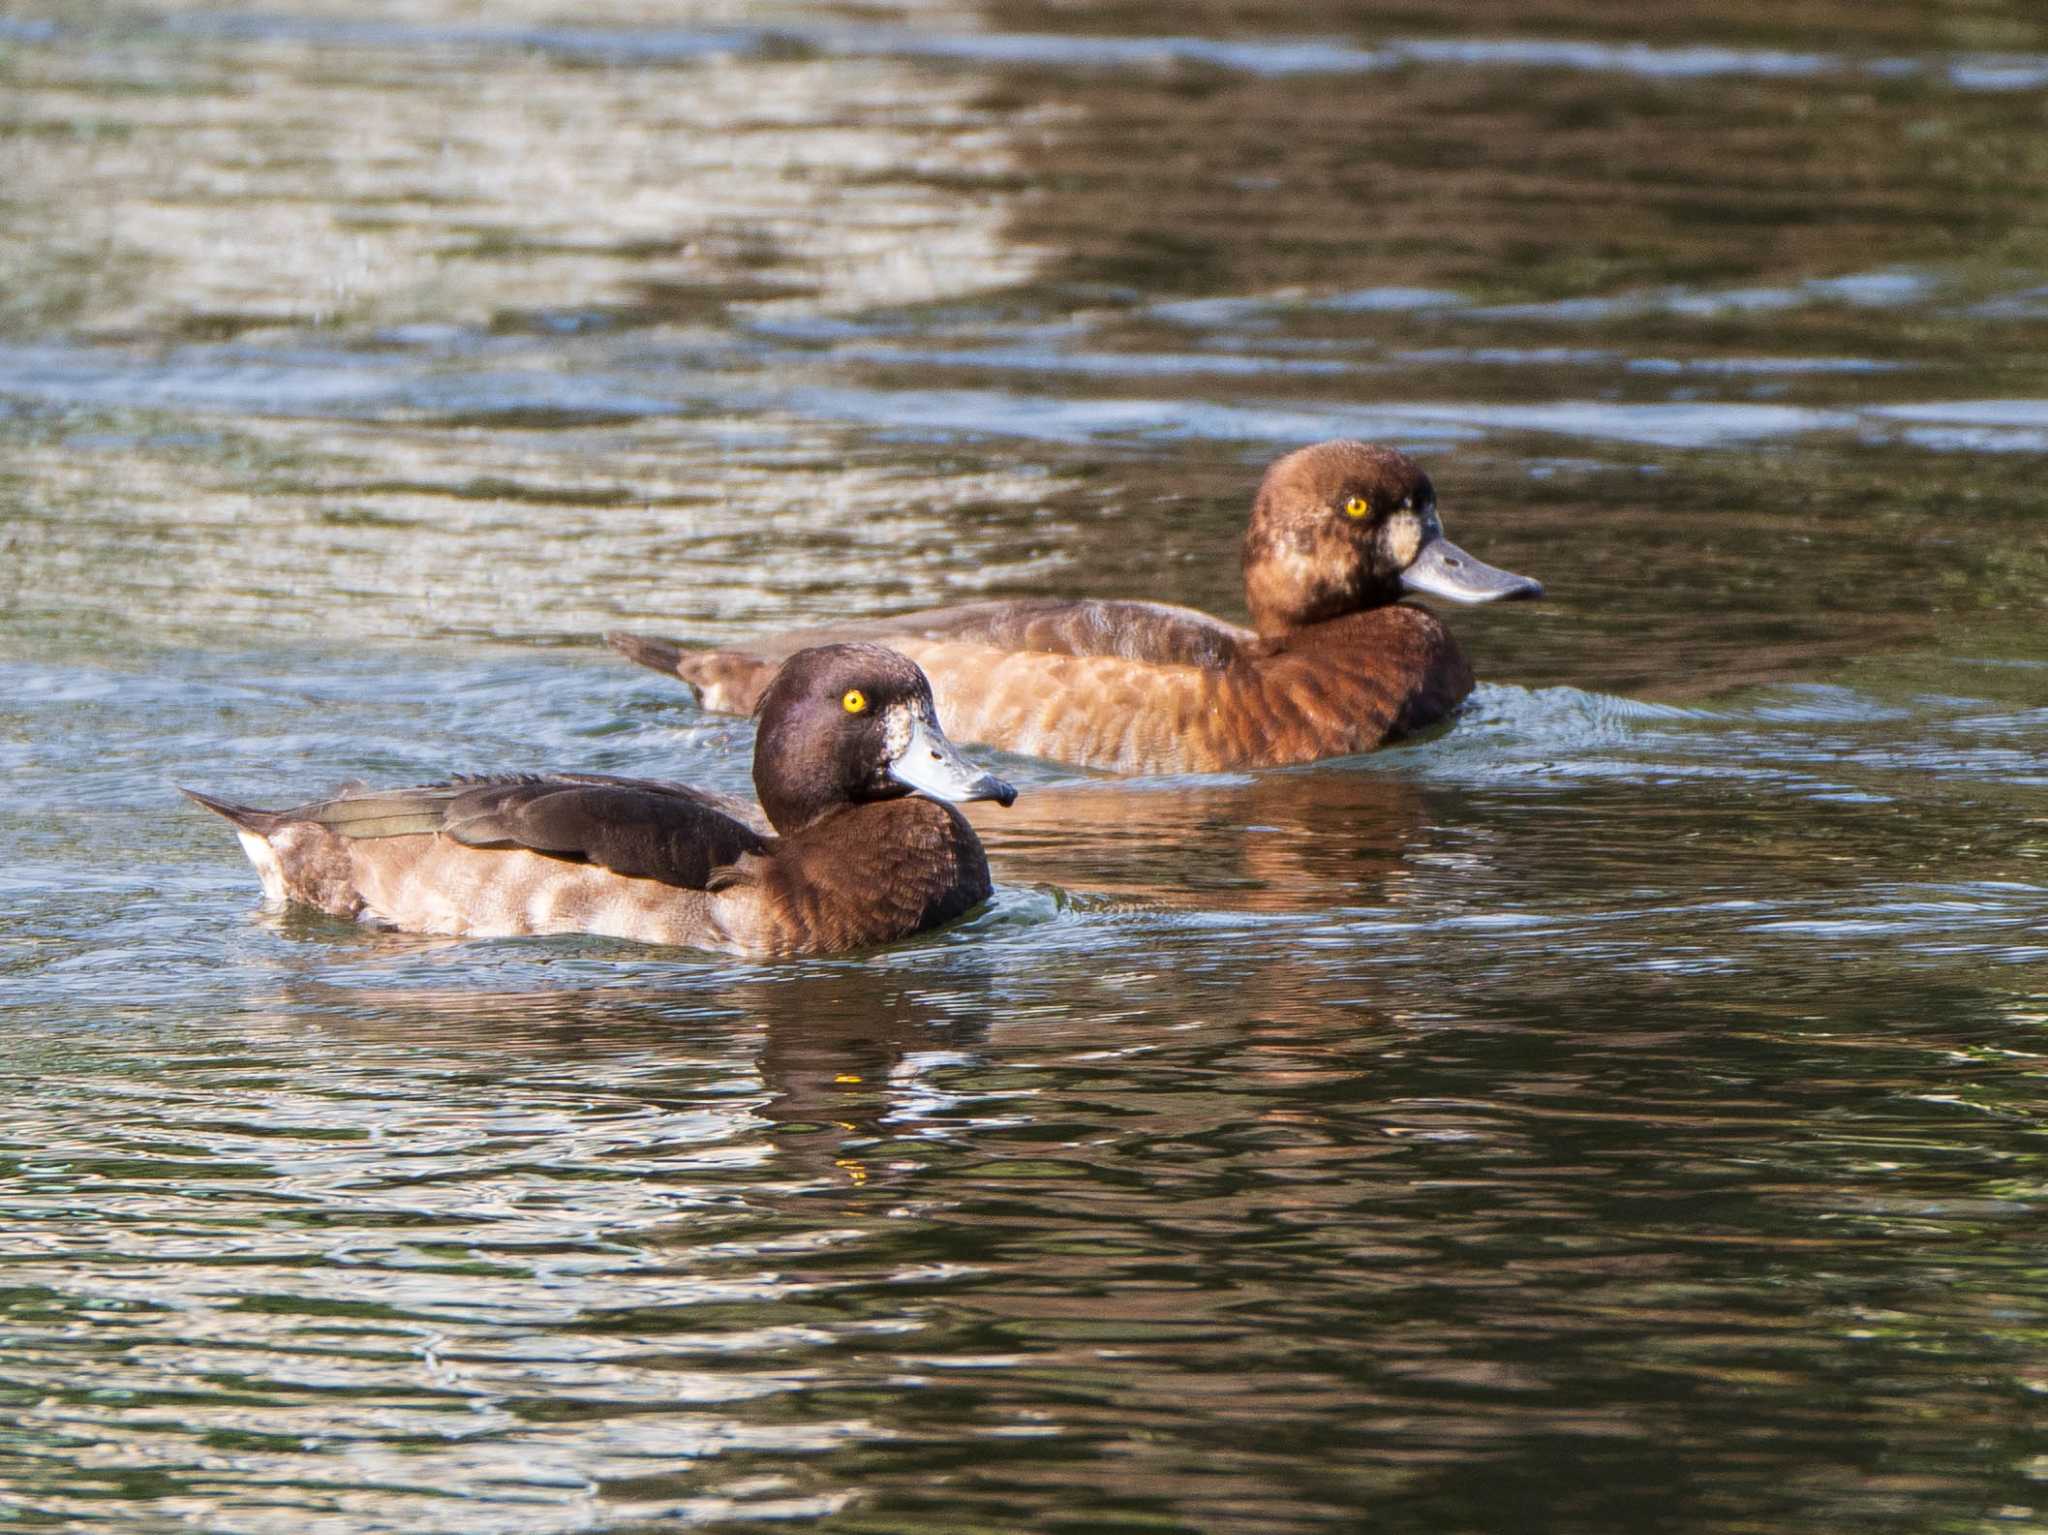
(846, 724)
(1343, 526)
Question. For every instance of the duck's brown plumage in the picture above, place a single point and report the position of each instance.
(851, 860)
(1335, 664)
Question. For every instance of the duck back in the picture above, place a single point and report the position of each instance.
(1331, 689)
(1175, 693)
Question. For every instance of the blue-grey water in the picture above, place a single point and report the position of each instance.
(1620, 1111)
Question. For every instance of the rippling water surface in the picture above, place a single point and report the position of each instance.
(1620, 1111)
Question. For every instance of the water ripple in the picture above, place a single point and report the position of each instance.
(1278, 58)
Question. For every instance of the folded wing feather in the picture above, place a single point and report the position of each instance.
(641, 828)
(1135, 631)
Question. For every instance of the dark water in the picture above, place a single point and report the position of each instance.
(1623, 1111)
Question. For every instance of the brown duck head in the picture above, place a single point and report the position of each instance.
(1339, 527)
(847, 724)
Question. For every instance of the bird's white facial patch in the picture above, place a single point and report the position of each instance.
(898, 721)
(1403, 535)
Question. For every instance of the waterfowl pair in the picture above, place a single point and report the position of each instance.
(852, 846)
(1334, 663)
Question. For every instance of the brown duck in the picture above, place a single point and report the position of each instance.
(848, 750)
(1334, 662)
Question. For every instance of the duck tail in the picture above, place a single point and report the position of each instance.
(246, 817)
(658, 655)
(725, 681)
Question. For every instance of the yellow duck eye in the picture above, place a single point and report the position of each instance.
(854, 702)
(1356, 507)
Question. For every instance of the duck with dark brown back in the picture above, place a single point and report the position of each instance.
(1334, 663)
(850, 847)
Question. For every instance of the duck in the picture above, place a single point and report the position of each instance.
(1334, 662)
(855, 843)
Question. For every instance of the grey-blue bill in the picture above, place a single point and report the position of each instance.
(931, 764)
(1442, 569)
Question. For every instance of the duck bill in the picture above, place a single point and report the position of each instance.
(931, 764)
(1445, 570)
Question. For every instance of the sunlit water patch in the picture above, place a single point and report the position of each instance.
(1281, 57)
(514, 384)
(645, 193)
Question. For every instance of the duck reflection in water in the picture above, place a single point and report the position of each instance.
(1272, 842)
(818, 1075)
(816, 1063)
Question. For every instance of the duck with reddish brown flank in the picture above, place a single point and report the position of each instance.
(1334, 663)
(851, 846)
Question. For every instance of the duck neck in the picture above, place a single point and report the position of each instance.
(793, 804)
(1333, 634)
(1278, 618)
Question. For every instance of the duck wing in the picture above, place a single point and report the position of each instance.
(1157, 632)
(643, 828)
(1154, 633)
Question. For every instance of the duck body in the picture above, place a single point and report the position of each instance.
(841, 855)
(1167, 690)
(1335, 663)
